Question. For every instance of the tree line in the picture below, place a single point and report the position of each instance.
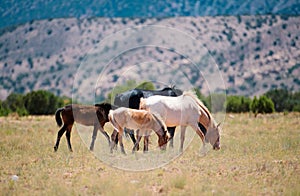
(42, 102)
(275, 100)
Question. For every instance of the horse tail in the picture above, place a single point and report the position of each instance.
(112, 120)
(58, 117)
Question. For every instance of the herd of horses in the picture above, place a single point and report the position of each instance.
(142, 111)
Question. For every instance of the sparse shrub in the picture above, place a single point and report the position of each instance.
(284, 26)
(271, 53)
(30, 62)
(49, 32)
(297, 81)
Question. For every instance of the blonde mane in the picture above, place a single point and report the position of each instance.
(159, 120)
(199, 102)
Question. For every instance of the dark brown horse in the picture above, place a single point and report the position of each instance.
(96, 116)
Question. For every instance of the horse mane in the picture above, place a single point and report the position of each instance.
(159, 120)
(105, 105)
(198, 101)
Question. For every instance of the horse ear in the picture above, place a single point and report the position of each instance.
(218, 125)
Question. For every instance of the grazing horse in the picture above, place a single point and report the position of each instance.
(96, 116)
(136, 119)
(185, 110)
(131, 99)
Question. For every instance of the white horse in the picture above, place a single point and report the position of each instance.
(185, 110)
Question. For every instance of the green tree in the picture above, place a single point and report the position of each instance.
(296, 102)
(262, 105)
(281, 99)
(254, 106)
(15, 103)
(233, 104)
(265, 105)
(4, 111)
(237, 104)
(245, 104)
(42, 102)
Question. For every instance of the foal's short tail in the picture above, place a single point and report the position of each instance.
(58, 117)
(113, 121)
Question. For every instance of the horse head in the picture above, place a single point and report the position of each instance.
(162, 132)
(163, 140)
(213, 136)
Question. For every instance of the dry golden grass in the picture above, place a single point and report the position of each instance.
(258, 156)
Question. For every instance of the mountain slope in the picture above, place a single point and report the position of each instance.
(254, 53)
(14, 12)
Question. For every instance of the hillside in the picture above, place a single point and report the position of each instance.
(14, 12)
(254, 53)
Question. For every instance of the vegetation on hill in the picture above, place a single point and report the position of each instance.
(254, 53)
(43, 102)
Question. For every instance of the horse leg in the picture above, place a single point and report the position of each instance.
(171, 131)
(105, 134)
(146, 143)
(59, 134)
(131, 134)
(68, 136)
(121, 142)
(137, 142)
(114, 137)
(182, 137)
(95, 132)
(199, 132)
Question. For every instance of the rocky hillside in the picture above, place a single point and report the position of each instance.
(254, 53)
(15, 12)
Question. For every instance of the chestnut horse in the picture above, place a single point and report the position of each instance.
(138, 120)
(96, 116)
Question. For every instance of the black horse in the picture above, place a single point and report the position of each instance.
(131, 99)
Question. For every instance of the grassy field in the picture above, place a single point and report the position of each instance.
(259, 156)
